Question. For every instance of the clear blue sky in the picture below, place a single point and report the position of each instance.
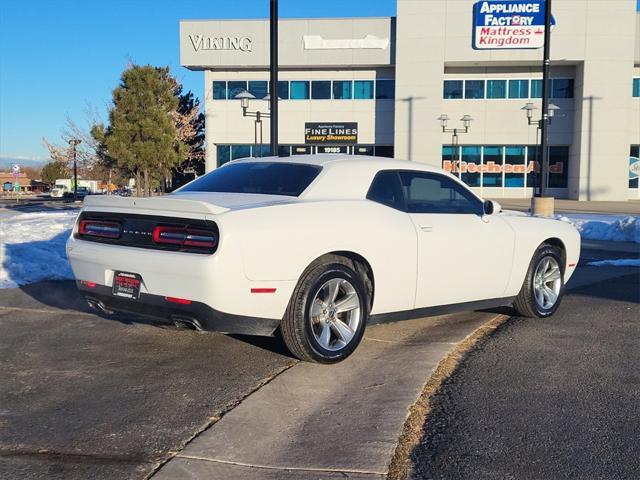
(57, 57)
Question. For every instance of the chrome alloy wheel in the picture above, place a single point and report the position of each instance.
(335, 314)
(547, 282)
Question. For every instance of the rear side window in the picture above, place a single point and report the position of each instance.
(267, 178)
(433, 193)
(386, 189)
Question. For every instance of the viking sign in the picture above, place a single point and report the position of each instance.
(331, 133)
(202, 42)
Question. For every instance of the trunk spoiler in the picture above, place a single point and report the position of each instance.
(162, 204)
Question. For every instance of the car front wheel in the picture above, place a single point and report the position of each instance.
(543, 286)
(327, 314)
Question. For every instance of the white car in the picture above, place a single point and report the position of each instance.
(317, 247)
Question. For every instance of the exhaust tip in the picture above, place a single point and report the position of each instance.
(98, 305)
(190, 323)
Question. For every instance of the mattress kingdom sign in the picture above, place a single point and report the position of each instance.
(509, 24)
(331, 133)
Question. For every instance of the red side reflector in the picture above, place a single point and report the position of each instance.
(263, 290)
(572, 265)
(88, 284)
(181, 301)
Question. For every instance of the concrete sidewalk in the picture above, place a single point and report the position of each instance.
(318, 421)
(630, 207)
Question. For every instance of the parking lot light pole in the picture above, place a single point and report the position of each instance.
(528, 108)
(244, 98)
(466, 123)
(74, 142)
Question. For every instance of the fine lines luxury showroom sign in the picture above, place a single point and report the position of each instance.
(334, 133)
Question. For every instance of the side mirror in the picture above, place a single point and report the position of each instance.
(491, 207)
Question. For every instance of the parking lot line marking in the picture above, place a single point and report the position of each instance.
(297, 469)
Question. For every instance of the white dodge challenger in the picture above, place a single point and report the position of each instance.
(317, 247)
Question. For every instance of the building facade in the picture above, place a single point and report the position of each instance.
(378, 86)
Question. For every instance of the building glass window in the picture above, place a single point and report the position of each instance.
(219, 90)
(284, 150)
(452, 89)
(470, 165)
(636, 87)
(385, 89)
(342, 89)
(283, 89)
(447, 160)
(533, 165)
(384, 151)
(234, 88)
(363, 89)
(474, 89)
(496, 89)
(558, 166)
(240, 151)
(536, 88)
(514, 166)
(299, 90)
(518, 88)
(223, 154)
(562, 88)
(258, 88)
(321, 90)
(634, 166)
(492, 167)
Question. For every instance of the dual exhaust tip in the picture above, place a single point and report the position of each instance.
(180, 321)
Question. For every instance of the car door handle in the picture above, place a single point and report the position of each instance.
(426, 228)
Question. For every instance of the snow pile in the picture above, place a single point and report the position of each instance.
(620, 262)
(32, 247)
(616, 228)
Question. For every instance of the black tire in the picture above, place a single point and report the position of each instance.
(297, 328)
(526, 304)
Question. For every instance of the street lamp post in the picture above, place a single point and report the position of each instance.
(551, 109)
(74, 142)
(244, 98)
(466, 123)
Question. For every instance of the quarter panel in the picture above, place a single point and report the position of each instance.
(279, 242)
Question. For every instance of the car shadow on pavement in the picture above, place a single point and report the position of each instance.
(64, 295)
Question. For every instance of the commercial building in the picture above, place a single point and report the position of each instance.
(379, 85)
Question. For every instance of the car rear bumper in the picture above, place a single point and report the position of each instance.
(195, 313)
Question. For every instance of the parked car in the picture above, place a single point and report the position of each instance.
(81, 193)
(317, 247)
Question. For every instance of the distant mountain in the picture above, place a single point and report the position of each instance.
(8, 162)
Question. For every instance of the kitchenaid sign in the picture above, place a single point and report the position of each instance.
(205, 42)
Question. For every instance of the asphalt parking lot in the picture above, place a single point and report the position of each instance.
(549, 398)
(89, 397)
(86, 396)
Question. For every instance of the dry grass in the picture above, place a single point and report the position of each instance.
(413, 432)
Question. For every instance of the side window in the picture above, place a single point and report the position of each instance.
(433, 193)
(386, 189)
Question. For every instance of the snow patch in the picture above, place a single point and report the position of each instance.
(32, 247)
(615, 228)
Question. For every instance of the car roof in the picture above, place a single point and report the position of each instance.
(344, 176)
(376, 163)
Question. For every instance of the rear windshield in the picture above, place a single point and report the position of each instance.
(267, 178)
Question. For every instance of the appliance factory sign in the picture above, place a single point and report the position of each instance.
(508, 24)
(334, 133)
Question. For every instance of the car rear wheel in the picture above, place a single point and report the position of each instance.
(543, 286)
(327, 314)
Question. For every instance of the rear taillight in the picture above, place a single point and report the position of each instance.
(98, 228)
(184, 237)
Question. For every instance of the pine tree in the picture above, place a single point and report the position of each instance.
(142, 136)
